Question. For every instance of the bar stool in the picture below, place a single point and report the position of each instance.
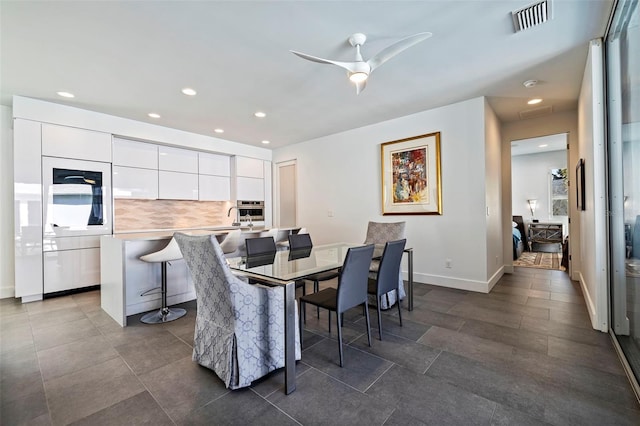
(167, 254)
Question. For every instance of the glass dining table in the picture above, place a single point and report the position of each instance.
(285, 267)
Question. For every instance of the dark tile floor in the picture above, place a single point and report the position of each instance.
(523, 354)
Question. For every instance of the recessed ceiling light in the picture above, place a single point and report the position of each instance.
(218, 130)
(544, 145)
(530, 83)
(260, 114)
(189, 91)
(153, 115)
(66, 94)
(266, 142)
(534, 101)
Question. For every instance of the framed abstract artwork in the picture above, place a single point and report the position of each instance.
(411, 176)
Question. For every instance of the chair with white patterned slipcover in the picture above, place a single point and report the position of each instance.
(379, 233)
(239, 331)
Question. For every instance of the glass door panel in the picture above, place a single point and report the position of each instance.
(623, 104)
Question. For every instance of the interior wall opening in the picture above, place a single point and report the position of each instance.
(540, 202)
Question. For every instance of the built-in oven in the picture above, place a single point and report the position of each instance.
(250, 210)
(76, 211)
(76, 197)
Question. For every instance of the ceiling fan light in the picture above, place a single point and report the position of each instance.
(358, 77)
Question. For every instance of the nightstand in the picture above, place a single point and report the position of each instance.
(545, 233)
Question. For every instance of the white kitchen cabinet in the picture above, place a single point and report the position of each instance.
(249, 188)
(214, 164)
(132, 182)
(177, 186)
(135, 154)
(177, 160)
(27, 205)
(71, 142)
(249, 167)
(214, 188)
(70, 269)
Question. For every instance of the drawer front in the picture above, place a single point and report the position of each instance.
(71, 269)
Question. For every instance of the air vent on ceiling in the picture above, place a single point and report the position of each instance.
(536, 112)
(531, 15)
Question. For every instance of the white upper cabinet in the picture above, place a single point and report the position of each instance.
(249, 188)
(214, 164)
(249, 167)
(133, 182)
(214, 188)
(135, 154)
(71, 142)
(177, 160)
(177, 186)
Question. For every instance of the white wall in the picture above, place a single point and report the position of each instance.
(493, 189)
(530, 176)
(593, 221)
(562, 122)
(339, 191)
(6, 203)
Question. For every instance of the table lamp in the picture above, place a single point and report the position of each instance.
(533, 203)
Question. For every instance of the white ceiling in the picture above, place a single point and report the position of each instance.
(129, 58)
(537, 145)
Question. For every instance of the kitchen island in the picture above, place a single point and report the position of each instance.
(125, 278)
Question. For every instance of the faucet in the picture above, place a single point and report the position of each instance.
(237, 222)
(248, 216)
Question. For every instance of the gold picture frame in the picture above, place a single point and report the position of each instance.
(411, 176)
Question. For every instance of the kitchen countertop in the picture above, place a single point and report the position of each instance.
(168, 233)
(162, 234)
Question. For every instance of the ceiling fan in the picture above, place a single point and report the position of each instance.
(359, 70)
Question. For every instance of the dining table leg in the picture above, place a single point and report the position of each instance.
(290, 337)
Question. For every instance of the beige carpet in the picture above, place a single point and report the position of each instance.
(540, 260)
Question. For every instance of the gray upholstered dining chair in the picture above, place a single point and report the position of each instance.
(239, 331)
(379, 233)
(351, 291)
(387, 278)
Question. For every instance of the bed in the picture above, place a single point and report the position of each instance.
(519, 236)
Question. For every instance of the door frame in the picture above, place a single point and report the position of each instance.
(276, 204)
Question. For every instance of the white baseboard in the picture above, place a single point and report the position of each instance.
(457, 283)
(495, 278)
(591, 308)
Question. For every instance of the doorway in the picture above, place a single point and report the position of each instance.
(286, 187)
(540, 202)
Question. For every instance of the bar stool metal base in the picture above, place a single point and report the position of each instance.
(163, 315)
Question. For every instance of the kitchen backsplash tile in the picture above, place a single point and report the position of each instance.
(140, 215)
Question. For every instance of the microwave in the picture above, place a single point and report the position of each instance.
(253, 209)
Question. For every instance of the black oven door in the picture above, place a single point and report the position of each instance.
(255, 213)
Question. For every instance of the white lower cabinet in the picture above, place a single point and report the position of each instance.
(177, 186)
(132, 182)
(70, 269)
(214, 188)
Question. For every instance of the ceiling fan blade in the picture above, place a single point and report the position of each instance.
(385, 54)
(349, 66)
